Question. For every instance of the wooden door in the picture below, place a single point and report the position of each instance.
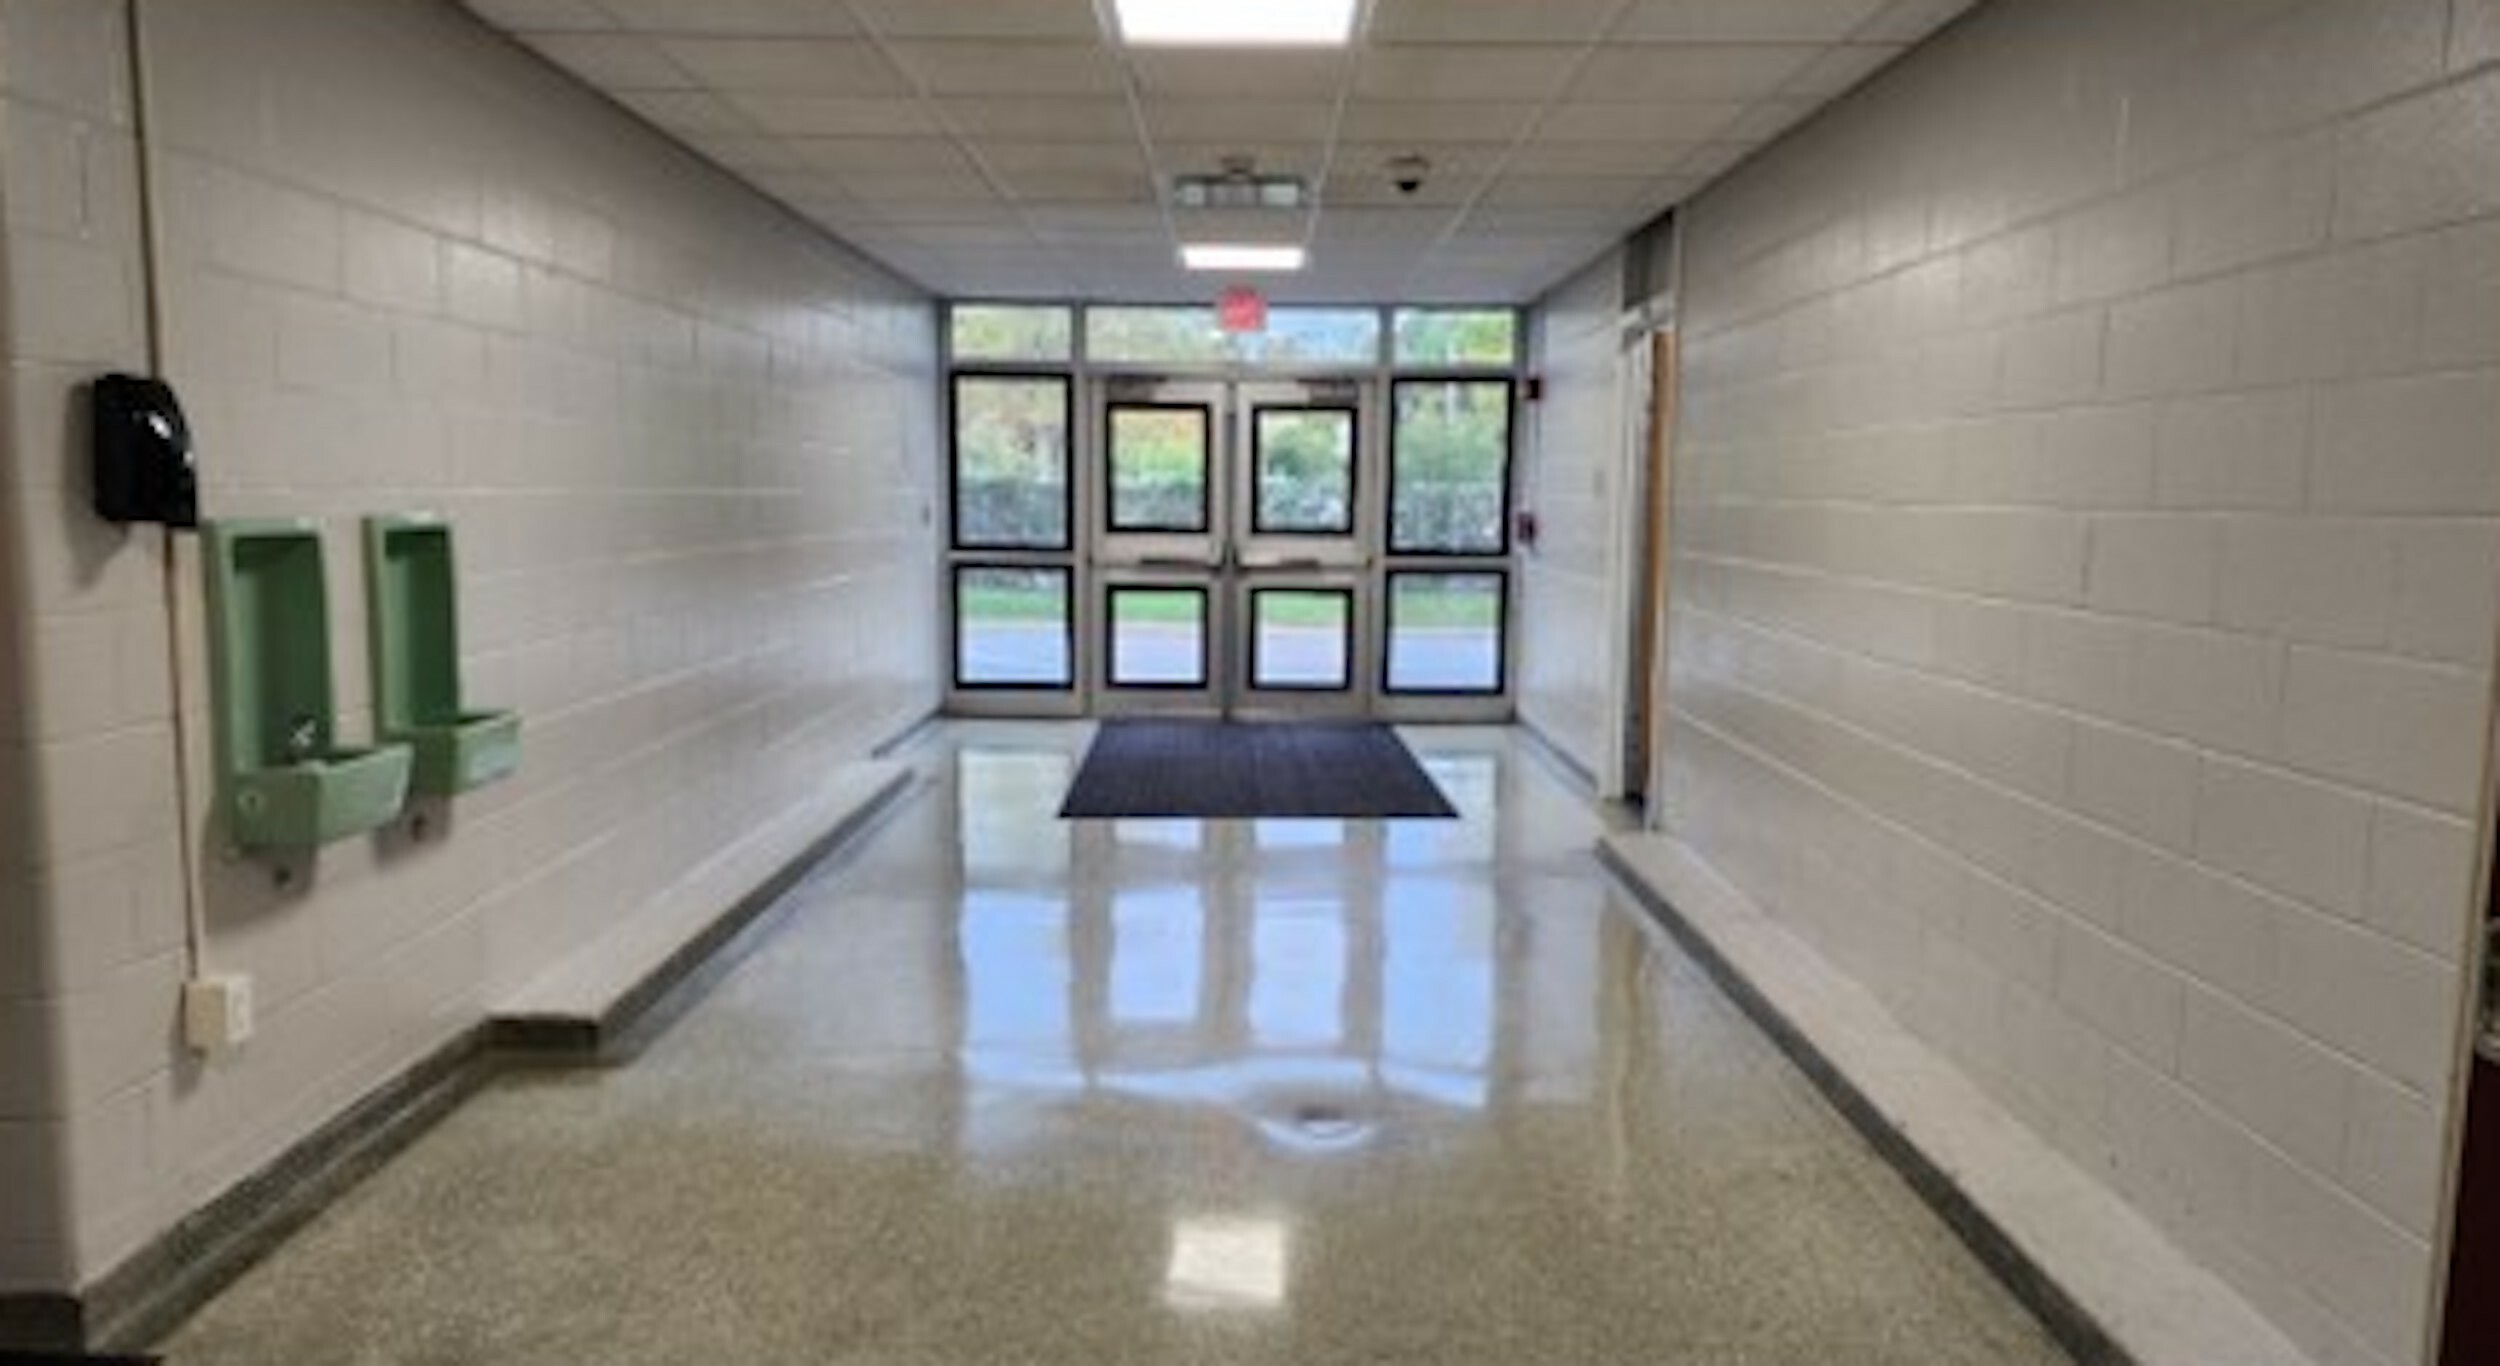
(1650, 638)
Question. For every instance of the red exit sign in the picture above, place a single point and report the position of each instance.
(1241, 309)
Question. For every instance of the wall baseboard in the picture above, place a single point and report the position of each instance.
(155, 1289)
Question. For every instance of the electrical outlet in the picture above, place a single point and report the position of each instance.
(217, 1013)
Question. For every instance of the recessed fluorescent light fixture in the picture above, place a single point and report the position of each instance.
(1236, 23)
(1228, 257)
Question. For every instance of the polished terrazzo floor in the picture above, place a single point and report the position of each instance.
(1004, 1089)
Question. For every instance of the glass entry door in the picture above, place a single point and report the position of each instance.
(1231, 555)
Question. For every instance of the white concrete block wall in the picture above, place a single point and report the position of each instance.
(689, 445)
(1565, 639)
(2087, 535)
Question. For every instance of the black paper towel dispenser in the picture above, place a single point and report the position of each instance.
(145, 470)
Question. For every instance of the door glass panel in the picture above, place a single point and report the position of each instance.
(1011, 462)
(1159, 468)
(1303, 463)
(1013, 628)
(1445, 632)
(1158, 638)
(1303, 639)
(1449, 486)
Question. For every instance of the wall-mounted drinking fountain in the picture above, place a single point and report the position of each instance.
(414, 620)
(283, 778)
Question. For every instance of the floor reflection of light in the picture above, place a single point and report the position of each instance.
(1158, 954)
(1016, 977)
(1003, 802)
(1472, 782)
(1298, 966)
(1160, 834)
(1437, 1008)
(1226, 1264)
(1300, 834)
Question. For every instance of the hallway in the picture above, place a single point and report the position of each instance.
(996, 1087)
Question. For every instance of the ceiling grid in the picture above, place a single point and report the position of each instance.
(1013, 149)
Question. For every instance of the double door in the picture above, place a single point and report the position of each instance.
(1233, 557)
(1243, 547)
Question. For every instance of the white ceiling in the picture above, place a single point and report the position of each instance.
(1008, 148)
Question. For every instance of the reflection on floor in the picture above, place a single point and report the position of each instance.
(1010, 1089)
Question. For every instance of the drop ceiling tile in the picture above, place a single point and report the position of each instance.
(1070, 171)
(820, 66)
(989, 69)
(903, 216)
(1005, 156)
(1106, 224)
(1446, 193)
(1546, 156)
(979, 18)
(937, 186)
(614, 62)
(844, 156)
(1840, 70)
(1908, 21)
(1002, 234)
(811, 191)
(1498, 224)
(686, 111)
(1712, 160)
(1241, 225)
(1192, 74)
(543, 16)
(1070, 120)
(1266, 158)
(1745, 21)
(1766, 120)
(746, 153)
(1448, 159)
(1458, 72)
(1252, 120)
(1605, 120)
(1383, 225)
(992, 273)
(836, 115)
(1669, 71)
(735, 18)
(1488, 21)
(1570, 192)
(1402, 122)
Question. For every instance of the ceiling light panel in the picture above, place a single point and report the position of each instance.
(1242, 23)
(1240, 257)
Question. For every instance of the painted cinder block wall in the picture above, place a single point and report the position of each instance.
(689, 446)
(1566, 642)
(2084, 592)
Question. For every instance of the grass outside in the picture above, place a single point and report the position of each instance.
(1443, 611)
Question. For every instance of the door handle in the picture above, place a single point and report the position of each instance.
(1300, 566)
